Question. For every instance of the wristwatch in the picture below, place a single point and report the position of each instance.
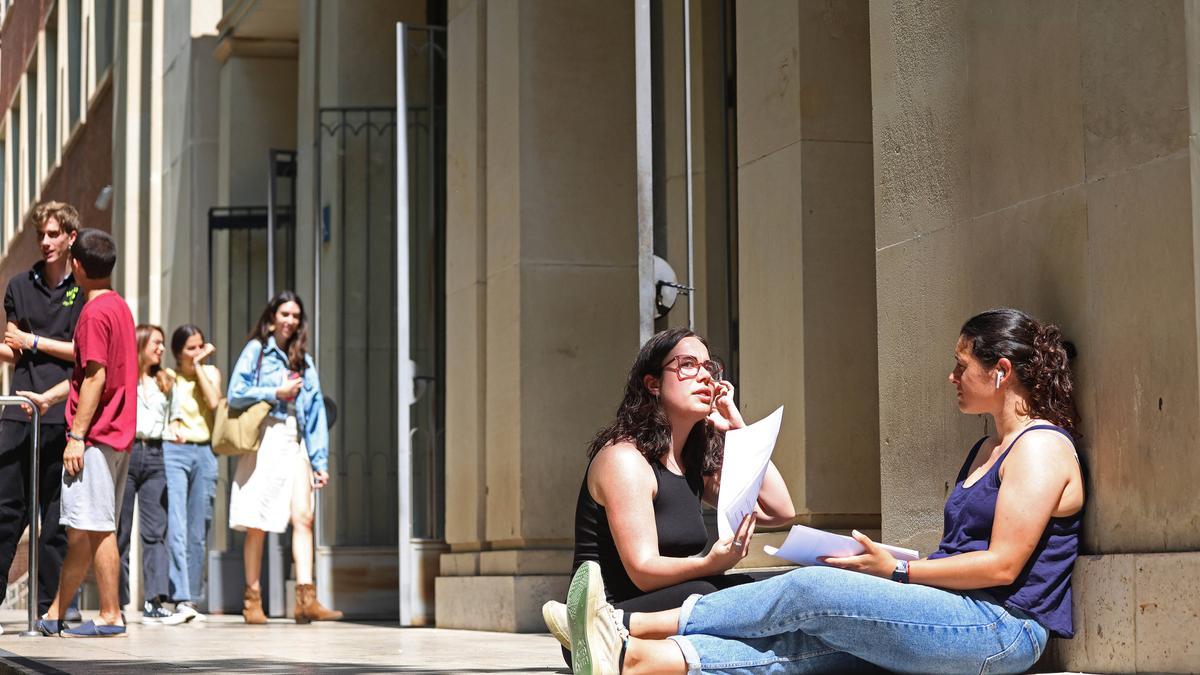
(901, 572)
(74, 436)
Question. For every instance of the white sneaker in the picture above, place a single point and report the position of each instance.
(555, 615)
(187, 609)
(596, 633)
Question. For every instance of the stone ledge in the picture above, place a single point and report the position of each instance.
(511, 604)
(1133, 613)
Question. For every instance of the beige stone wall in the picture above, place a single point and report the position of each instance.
(807, 279)
(1037, 155)
(542, 288)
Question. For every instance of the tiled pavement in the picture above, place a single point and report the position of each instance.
(224, 644)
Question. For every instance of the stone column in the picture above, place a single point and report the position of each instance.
(542, 300)
(1039, 155)
(806, 273)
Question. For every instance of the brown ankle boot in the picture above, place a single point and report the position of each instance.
(252, 609)
(308, 609)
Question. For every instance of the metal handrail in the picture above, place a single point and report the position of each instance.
(34, 508)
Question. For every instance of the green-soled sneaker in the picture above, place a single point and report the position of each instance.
(596, 633)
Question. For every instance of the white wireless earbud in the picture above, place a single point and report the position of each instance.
(999, 376)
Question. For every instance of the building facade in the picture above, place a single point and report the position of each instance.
(862, 178)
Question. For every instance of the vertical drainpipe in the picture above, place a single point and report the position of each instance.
(645, 168)
(690, 178)
(403, 369)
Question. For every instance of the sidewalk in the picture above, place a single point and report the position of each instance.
(224, 644)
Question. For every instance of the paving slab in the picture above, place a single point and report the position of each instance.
(224, 644)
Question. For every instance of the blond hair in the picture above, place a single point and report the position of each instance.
(64, 213)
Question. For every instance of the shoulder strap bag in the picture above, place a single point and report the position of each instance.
(239, 432)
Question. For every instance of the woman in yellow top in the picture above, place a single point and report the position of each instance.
(191, 465)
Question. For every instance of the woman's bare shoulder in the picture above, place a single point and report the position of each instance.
(621, 461)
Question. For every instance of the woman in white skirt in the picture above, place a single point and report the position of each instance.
(274, 486)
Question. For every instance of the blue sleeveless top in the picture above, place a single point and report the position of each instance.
(1043, 588)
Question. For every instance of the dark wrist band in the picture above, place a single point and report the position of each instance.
(74, 437)
(900, 574)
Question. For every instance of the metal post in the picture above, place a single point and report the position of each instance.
(403, 371)
(644, 106)
(270, 224)
(31, 580)
(687, 123)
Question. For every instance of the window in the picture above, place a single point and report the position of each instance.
(104, 36)
(74, 10)
(13, 157)
(51, 121)
(30, 121)
(3, 186)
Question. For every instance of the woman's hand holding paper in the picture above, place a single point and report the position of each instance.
(876, 561)
(730, 551)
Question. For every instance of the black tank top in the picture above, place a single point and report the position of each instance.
(677, 519)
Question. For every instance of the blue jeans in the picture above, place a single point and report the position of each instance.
(191, 484)
(148, 482)
(826, 620)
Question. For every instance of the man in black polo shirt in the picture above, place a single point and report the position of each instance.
(41, 307)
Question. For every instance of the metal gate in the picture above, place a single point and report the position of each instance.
(359, 304)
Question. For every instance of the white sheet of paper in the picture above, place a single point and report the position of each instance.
(747, 454)
(804, 545)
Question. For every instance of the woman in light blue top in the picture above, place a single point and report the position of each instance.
(275, 485)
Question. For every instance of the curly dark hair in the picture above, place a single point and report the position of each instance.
(642, 421)
(1040, 356)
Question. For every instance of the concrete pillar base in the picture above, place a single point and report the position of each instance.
(509, 604)
(1132, 614)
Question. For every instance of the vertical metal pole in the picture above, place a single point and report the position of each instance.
(321, 577)
(270, 224)
(644, 120)
(35, 479)
(404, 383)
(687, 124)
(212, 326)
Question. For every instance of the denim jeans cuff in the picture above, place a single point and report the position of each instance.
(690, 655)
(685, 612)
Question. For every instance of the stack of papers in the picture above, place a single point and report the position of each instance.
(747, 455)
(806, 546)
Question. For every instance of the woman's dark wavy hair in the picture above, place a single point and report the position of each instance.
(1040, 356)
(642, 421)
(297, 345)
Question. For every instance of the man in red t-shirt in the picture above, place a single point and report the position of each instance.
(101, 420)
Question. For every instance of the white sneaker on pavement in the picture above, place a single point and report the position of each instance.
(188, 610)
(554, 613)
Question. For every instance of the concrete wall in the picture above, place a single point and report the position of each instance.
(1037, 155)
(542, 290)
(806, 282)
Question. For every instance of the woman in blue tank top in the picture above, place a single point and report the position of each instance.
(638, 514)
(985, 602)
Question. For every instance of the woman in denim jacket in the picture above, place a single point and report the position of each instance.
(275, 484)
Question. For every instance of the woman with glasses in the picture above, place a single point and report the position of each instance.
(638, 514)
